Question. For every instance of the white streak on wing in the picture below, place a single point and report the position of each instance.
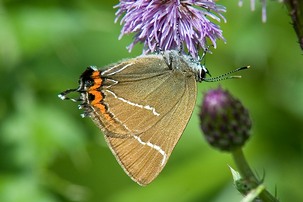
(154, 146)
(135, 104)
(116, 71)
(113, 81)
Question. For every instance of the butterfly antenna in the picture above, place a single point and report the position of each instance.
(226, 75)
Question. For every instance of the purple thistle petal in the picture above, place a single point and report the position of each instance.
(252, 7)
(263, 10)
(171, 24)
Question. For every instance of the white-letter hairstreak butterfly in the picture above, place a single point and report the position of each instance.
(142, 105)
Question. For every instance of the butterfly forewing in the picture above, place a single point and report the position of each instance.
(144, 154)
(136, 104)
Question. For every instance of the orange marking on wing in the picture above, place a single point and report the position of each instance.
(101, 107)
(95, 74)
(103, 111)
(97, 80)
(98, 97)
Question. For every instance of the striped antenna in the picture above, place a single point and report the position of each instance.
(226, 75)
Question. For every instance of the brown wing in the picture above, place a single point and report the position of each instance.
(137, 93)
(145, 154)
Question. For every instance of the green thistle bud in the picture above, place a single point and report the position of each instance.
(224, 120)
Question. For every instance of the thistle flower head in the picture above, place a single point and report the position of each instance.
(171, 24)
(224, 120)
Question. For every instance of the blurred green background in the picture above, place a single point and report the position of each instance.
(50, 154)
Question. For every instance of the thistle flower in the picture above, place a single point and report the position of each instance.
(224, 120)
(171, 24)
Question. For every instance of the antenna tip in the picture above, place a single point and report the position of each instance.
(242, 68)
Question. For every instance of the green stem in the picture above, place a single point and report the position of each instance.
(247, 174)
(295, 9)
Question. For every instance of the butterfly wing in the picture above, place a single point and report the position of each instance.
(145, 154)
(149, 106)
(136, 93)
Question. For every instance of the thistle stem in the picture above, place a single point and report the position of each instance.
(247, 174)
(295, 9)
